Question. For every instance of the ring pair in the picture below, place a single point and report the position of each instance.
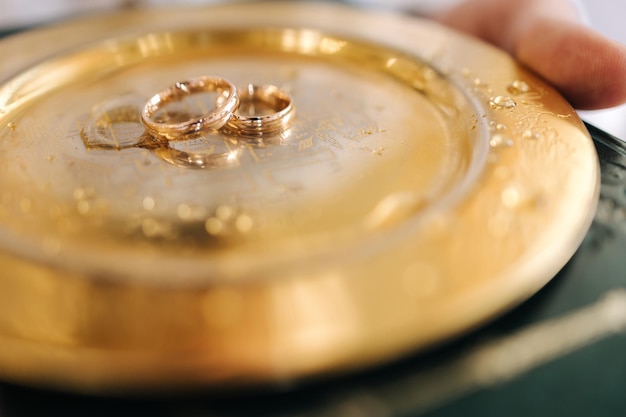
(254, 110)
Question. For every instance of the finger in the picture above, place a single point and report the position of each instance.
(589, 70)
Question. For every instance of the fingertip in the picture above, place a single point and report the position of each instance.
(588, 69)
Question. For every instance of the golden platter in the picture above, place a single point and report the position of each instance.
(428, 184)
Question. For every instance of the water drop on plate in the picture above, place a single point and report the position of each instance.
(502, 102)
(518, 87)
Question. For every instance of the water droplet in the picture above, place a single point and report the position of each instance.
(188, 212)
(183, 211)
(493, 126)
(465, 72)
(518, 87)
(511, 197)
(213, 226)
(81, 193)
(540, 134)
(12, 126)
(244, 223)
(529, 134)
(148, 203)
(51, 158)
(501, 141)
(224, 213)
(502, 102)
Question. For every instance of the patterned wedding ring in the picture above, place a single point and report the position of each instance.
(262, 110)
(226, 104)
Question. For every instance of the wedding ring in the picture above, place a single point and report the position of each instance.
(225, 104)
(262, 110)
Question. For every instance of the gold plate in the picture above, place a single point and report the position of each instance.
(428, 184)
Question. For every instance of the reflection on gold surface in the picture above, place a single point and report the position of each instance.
(425, 187)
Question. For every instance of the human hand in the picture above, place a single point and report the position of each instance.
(547, 36)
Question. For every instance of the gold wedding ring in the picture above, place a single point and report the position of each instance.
(225, 104)
(263, 109)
